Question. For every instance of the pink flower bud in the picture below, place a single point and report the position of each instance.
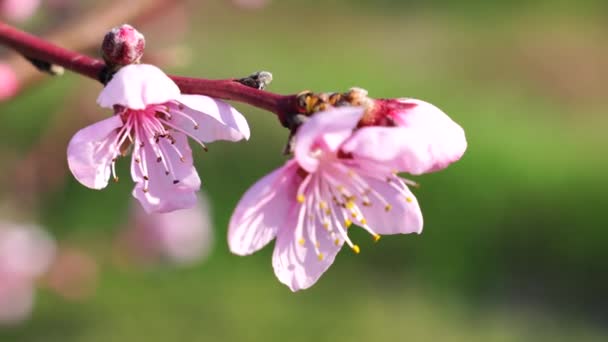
(9, 83)
(123, 45)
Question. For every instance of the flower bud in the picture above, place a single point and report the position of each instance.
(123, 45)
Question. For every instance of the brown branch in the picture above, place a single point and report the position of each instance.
(40, 49)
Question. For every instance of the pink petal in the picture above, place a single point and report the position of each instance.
(91, 150)
(324, 131)
(136, 86)
(298, 265)
(262, 211)
(162, 194)
(404, 215)
(426, 140)
(216, 119)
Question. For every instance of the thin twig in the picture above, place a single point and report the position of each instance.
(40, 49)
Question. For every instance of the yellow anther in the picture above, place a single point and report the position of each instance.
(348, 223)
(377, 237)
(367, 203)
(321, 256)
(337, 242)
(388, 207)
(323, 205)
(302, 242)
(356, 249)
(350, 205)
(327, 212)
(363, 221)
(409, 199)
(300, 198)
(326, 225)
(340, 188)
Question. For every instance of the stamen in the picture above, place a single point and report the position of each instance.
(114, 170)
(376, 237)
(356, 249)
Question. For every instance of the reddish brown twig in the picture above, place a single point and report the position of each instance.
(35, 47)
(85, 31)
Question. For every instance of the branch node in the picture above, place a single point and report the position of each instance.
(46, 67)
(259, 80)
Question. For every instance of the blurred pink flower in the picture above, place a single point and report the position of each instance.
(18, 10)
(181, 237)
(153, 117)
(26, 253)
(410, 135)
(310, 202)
(9, 83)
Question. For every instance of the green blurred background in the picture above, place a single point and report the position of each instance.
(514, 246)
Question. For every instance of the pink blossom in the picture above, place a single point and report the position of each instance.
(18, 10)
(181, 237)
(9, 83)
(309, 204)
(154, 119)
(26, 253)
(410, 135)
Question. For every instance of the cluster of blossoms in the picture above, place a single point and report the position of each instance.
(348, 151)
(344, 170)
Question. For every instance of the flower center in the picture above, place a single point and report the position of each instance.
(151, 132)
(336, 196)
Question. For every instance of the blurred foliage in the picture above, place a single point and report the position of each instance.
(514, 240)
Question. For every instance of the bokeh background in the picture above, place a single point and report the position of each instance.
(515, 240)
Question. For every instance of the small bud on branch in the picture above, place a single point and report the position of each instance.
(122, 45)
